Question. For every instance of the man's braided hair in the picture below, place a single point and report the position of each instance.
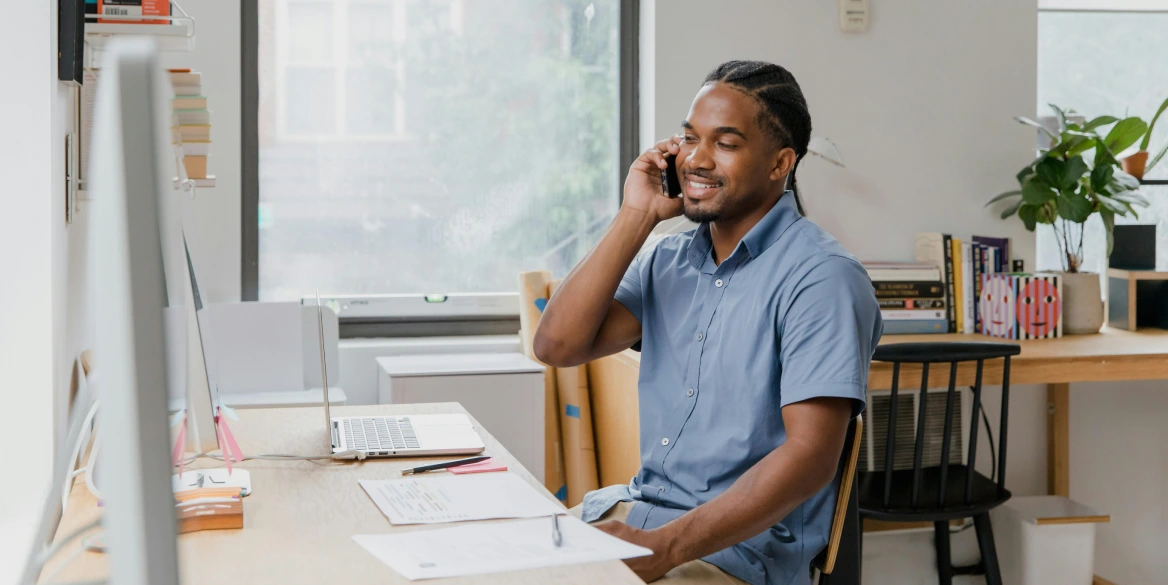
(783, 113)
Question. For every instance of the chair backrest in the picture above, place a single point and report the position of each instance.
(954, 354)
(848, 460)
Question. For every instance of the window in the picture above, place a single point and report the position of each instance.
(430, 146)
(1099, 61)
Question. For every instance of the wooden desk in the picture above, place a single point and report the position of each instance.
(301, 516)
(1110, 356)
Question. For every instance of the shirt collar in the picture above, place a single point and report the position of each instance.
(757, 240)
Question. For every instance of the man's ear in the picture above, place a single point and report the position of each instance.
(784, 162)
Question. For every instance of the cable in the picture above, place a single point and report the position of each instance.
(91, 467)
(76, 452)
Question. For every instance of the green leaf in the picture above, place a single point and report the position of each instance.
(1100, 121)
(1132, 197)
(1148, 134)
(1002, 196)
(1074, 206)
(1030, 122)
(1103, 155)
(1062, 117)
(1125, 133)
(1050, 172)
(1125, 180)
(1035, 192)
(1108, 228)
(1028, 170)
(1074, 170)
(1100, 176)
(1080, 144)
(1011, 210)
(1047, 212)
(1156, 159)
(1029, 216)
(1110, 205)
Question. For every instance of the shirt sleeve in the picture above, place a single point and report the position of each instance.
(630, 292)
(828, 334)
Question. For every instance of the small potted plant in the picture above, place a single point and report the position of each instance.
(1137, 164)
(1061, 189)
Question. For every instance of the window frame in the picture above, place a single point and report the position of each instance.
(391, 325)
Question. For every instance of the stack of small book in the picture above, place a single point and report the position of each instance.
(193, 121)
(911, 296)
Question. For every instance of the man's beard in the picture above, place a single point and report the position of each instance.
(701, 215)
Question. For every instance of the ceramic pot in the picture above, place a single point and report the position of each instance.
(1135, 164)
(1082, 303)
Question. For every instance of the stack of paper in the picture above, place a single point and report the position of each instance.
(193, 128)
(451, 498)
(492, 548)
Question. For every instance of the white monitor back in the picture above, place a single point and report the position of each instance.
(130, 189)
(259, 348)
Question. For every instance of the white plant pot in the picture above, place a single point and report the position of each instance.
(1082, 303)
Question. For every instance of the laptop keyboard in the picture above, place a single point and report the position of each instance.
(377, 433)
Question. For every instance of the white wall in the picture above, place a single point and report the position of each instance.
(215, 243)
(37, 258)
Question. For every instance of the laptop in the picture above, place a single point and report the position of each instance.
(396, 436)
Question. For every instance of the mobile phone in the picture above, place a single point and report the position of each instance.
(670, 185)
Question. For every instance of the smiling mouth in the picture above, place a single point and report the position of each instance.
(1038, 323)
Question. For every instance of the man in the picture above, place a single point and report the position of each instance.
(756, 331)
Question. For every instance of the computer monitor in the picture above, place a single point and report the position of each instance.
(132, 233)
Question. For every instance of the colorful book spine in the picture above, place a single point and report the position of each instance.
(958, 288)
(968, 301)
(911, 303)
(978, 270)
(909, 289)
(950, 296)
(914, 326)
(1021, 306)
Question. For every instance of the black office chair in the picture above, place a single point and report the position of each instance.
(948, 491)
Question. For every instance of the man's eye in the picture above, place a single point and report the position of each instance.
(727, 146)
(691, 139)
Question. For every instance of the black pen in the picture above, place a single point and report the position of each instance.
(445, 464)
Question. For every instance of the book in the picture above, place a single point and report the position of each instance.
(134, 9)
(910, 303)
(911, 326)
(195, 132)
(979, 262)
(188, 90)
(196, 166)
(911, 314)
(191, 117)
(909, 289)
(902, 274)
(1021, 306)
(958, 288)
(968, 300)
(185, 77)
(1002, 245)
(189, 102)
(196, 148)
(937, 249)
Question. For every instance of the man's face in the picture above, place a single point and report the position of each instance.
(727, 166)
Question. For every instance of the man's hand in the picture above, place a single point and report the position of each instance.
(643, 184)
(648, 568)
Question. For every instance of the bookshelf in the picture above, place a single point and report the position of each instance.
(176, 36)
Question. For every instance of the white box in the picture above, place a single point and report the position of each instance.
(503, 391)
(1044, 540)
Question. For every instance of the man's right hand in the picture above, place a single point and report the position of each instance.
(643, 185)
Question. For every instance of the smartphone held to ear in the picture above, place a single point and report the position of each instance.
(670, 185)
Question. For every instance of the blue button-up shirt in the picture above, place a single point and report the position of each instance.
(788, 316)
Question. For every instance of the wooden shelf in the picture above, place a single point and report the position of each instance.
(207, 183)
(1154, 181)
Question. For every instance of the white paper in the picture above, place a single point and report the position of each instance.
(457, 498)
(475, 549)
(254, 347)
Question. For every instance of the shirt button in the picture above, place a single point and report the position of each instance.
(701, 337)
(718, 283)
(665, 441)
(689, 392)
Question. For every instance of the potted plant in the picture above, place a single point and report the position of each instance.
(1137, 164)
(1061, 189)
